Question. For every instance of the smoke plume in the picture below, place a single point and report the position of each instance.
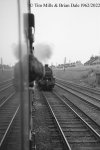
(16, 50)
(43, 52)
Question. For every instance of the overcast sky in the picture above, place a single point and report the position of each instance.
(8, 30)
(73, 32)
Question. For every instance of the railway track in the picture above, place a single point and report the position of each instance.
(7, 113)
(78, 134)
(9, 116)
(6, 83)
(91, 92)
(90, 105)
(46, 131)
(6, 90)
(11, 138)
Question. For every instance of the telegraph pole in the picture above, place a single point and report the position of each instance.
(64, 63)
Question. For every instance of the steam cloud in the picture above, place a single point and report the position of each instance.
(15, 49)
(43, 52)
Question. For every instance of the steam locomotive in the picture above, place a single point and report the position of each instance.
(43, 75)
(47, 81)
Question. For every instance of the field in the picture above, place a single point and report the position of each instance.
(5, 74)
(85, 75)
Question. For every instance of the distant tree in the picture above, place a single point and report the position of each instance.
(96, 57)
(92, 57)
